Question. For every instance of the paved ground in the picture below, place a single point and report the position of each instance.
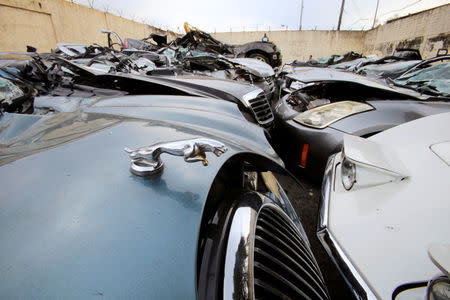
(305, 199)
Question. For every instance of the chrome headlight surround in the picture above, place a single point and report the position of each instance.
(348, 173)
(372, 163)
(322, 116)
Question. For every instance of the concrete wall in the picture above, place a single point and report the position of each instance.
(43, 23)
(428, 31)
(300, 44)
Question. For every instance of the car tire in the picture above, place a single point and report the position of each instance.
(260, 57)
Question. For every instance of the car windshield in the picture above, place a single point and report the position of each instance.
(433, 80)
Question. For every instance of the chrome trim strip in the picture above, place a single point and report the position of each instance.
(353, 279)
(238, 270)
(325, 193)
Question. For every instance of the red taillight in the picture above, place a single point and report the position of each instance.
(304, 155)
(125, 43)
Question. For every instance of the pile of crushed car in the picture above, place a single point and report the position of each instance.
(156, 169)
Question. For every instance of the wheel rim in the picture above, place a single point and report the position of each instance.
(259, 57)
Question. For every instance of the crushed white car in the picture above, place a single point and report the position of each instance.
(384, 216)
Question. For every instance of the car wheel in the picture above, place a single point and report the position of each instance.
(260, 57)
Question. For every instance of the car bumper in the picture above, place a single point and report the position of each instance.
(350, 274)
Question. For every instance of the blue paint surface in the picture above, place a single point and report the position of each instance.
(76, 224)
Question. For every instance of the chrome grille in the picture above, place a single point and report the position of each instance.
(261, 109)
(270, 85)
(284, 267)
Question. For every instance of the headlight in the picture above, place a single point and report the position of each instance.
(348, 174)
(322, 116)
(374, 164)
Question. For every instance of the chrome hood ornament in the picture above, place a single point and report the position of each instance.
(146, 161)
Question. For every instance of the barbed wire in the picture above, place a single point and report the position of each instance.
(349, 11)
(400, 9)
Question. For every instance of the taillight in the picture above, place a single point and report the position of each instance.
(125, 43)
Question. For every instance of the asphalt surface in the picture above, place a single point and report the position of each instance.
(305, 197)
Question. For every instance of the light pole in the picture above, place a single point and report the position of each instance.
(376, 11)
(340, 15)
(301, 17)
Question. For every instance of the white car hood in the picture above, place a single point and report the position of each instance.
(256, 67)
(386, 230)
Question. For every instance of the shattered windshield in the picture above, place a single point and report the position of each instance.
(434, 80)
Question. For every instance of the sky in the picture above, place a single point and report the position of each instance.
(262, 15)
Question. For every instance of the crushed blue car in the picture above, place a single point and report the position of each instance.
(115, 191)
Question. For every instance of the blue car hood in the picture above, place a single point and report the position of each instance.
(75, 223)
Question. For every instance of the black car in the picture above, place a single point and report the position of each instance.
(201, 41)
(324, 104)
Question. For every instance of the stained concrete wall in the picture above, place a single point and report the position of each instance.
(43, 23)
(300, 44)
(427, 31)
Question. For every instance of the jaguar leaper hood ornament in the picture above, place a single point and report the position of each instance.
(146, 160)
